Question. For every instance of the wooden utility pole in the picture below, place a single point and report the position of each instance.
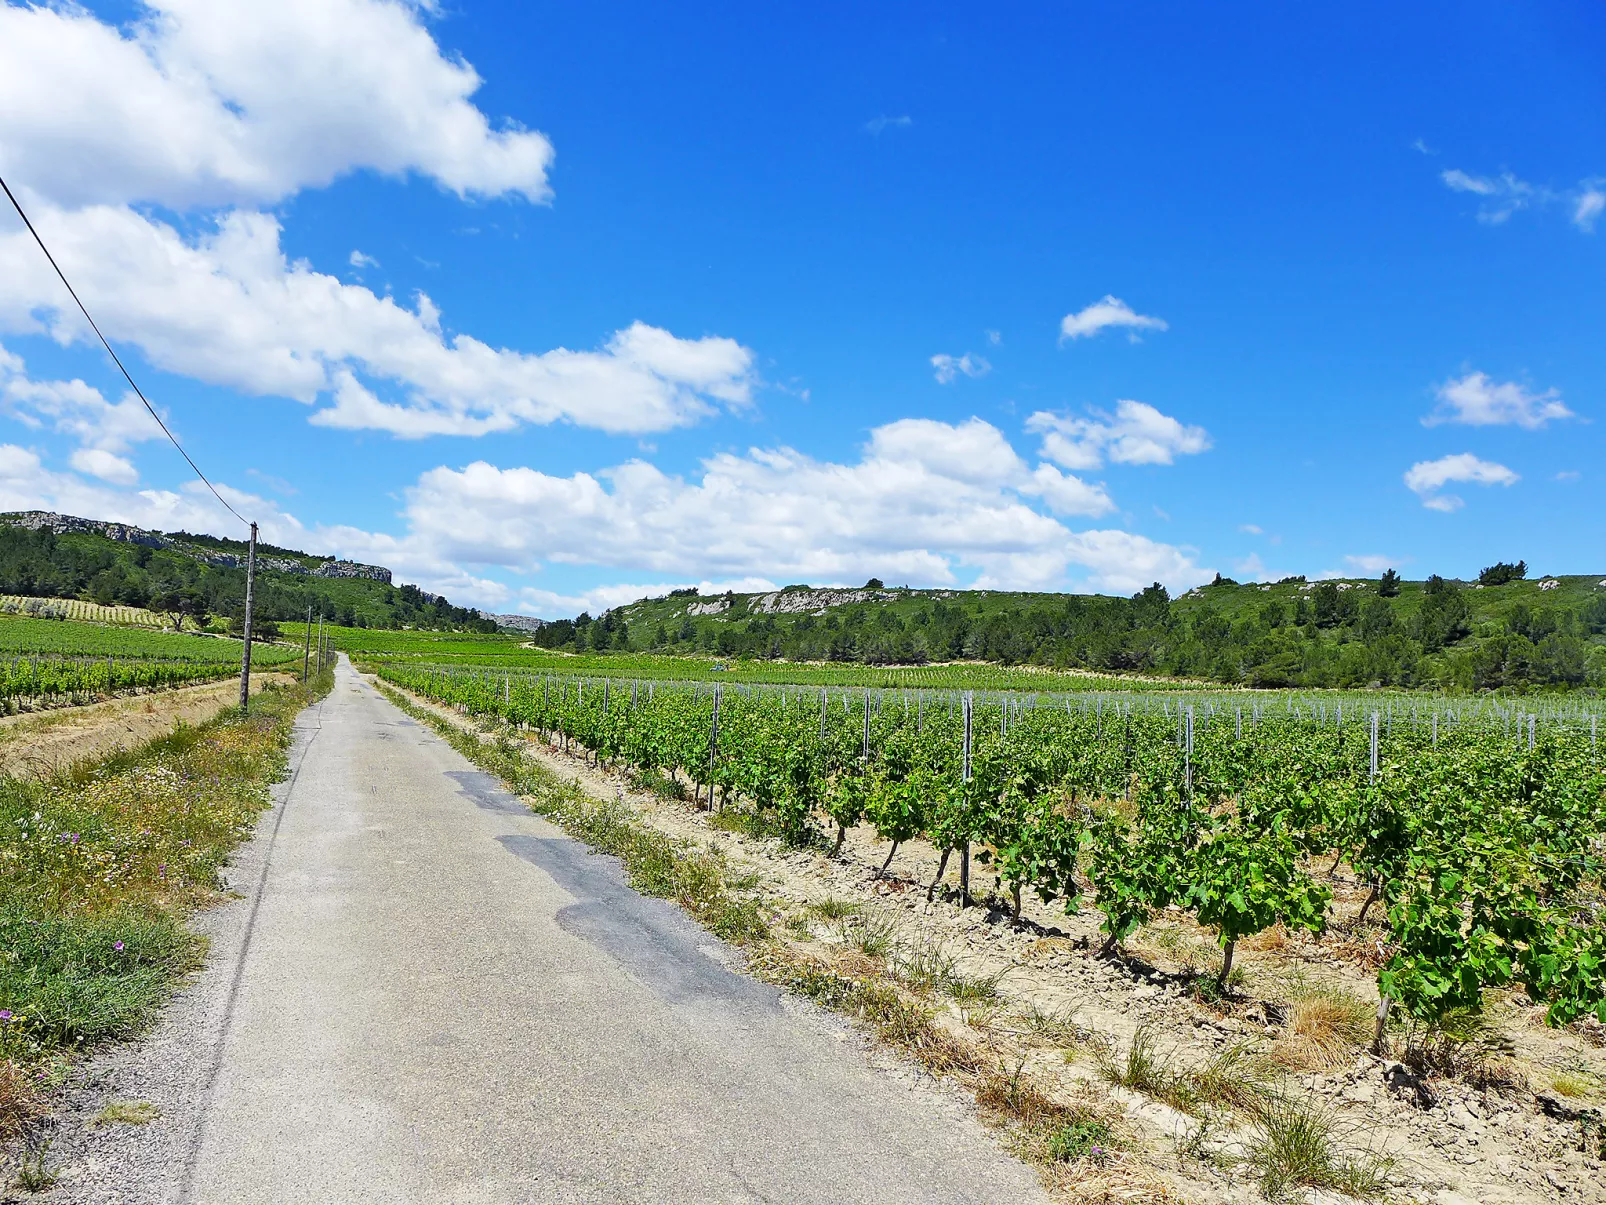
(306, 652)
(245, 656)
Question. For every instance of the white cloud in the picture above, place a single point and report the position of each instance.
(103, 430)
(948, 368)
(1589, 206)
(1252, 529)
(27, 484)
(1372, 564)
(108, 466)
(216, 102)
(995, 337)
(228, 308)
(927, 502)
(1110, 312)
(1502, 195)
(1479, 401)
(1427, 477)
(877, 124)
(200, 104)
(1568, 475)
(1136, 434)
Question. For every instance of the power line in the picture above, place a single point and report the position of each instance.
(18, 207)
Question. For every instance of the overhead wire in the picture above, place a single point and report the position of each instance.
(15, 204)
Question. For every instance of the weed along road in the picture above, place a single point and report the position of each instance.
(442, 998)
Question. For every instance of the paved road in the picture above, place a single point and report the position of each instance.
(442, 998)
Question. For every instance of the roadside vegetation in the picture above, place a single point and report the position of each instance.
(99, 868)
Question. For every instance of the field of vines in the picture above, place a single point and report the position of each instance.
(1481, 826)
(48, 662)
(509, 652)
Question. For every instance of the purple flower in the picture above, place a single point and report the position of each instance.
(5, 1014)
(118, 946)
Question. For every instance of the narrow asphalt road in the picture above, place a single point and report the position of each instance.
(442, 998)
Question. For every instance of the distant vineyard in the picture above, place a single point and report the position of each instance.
(509, 653)
(1481, 827)
(77, 608)
(45, 663)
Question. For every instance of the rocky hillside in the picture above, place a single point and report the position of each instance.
(209, 550)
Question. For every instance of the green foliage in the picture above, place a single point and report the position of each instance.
(81, 565)
(1501, 572)
(1488, 852)
(1292, 633)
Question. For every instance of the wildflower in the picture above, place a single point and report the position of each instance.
(118, 946)
(5, 1014)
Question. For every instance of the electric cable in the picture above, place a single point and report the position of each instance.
(137, 391)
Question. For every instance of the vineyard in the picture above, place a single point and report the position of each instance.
(1480, 827)
(513, 653)
(50, 663)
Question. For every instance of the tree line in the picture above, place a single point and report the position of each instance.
(1331, 635)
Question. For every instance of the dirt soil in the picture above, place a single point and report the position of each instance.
(41, 743)
(1522, 1126)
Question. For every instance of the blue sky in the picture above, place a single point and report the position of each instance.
(550, 305)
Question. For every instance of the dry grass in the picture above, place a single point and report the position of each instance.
(1326, 1027)
(1118, 1182)
(20, 1102)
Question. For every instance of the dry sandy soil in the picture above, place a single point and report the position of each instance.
(1514, 1133)
(41, 743)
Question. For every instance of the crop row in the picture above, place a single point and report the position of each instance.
(1484, 843)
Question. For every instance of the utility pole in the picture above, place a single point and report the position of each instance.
(306, 652)
(320, 643)
(245, 656)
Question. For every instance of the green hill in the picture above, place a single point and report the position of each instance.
(1524, 634)
(194, 577)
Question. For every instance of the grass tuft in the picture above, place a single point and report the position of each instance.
(1295, 1146)
(127, 1112)
(831, 908)
(1326, 1027)
(1234, 1078)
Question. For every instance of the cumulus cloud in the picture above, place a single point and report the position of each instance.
(1136, 433)
(949, 368)
(1110, 312)
(926, 502)
(103, 430)
(1477, 400)
(213, 108)
(1427, 478)
(26, 483)
(229, 308)
(222, 102)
